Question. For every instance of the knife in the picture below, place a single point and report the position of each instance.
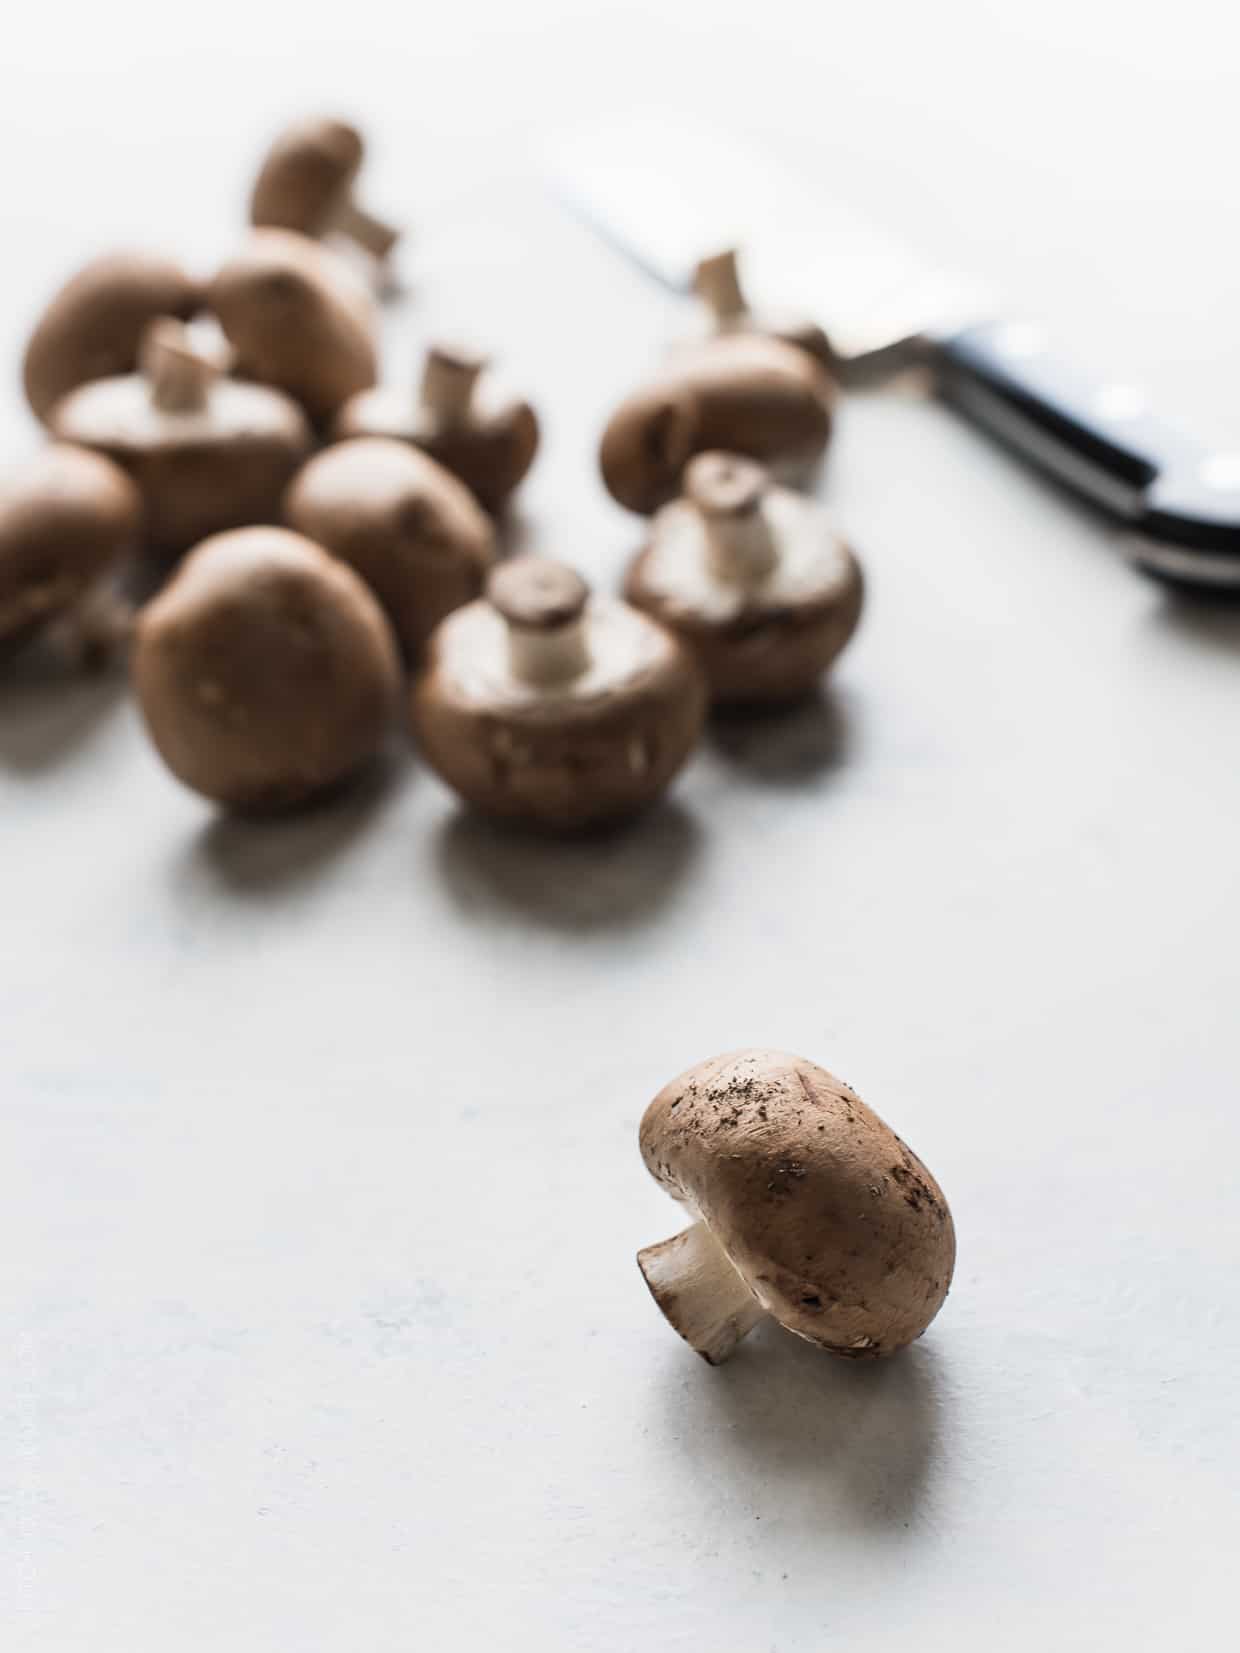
(665, 192)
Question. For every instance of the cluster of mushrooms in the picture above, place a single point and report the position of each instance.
(319, 539)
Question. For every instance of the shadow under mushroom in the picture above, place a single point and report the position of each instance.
(266, 856)
(617, 876)
(50, 705)
(786, 745)
(851, 1444)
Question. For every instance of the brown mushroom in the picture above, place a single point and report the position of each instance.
(460, 416)
(306, 184)
(207, 453)
(806, 1207)
(266, 671)
(543, 705)
(717, 283)
(741, 392)
(66, 519)
(409, 528)
(298, 319)
(93, 327)
(754, 578)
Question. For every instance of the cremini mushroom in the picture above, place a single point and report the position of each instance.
(805, 1207)
(67, 517)
(461, 416)
(208, 453)
(409, 528)
(753, 577)
(266, 671)
(306, 184)
(298, 319)
(740, 392)
(93, 327)
(717, 283)
(544, 705)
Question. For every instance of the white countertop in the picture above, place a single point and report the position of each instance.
(323, 1186)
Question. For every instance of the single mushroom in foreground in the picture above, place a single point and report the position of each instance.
(414, 533)
(306, 184)
(544, 705)
(93, 327)
(266, 672)
(753, 577)
(298, 319)
(806, 1207)
(67, 518)
(461, 415)
(717, 283)
(207, 453)
(739, 392)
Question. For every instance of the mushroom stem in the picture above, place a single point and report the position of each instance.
(716, 281)
(701, 1294)
(377, 236)
(543, 658)
(179, 375)
(447, 388)
(729, 493)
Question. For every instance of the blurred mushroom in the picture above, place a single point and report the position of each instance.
(207, 453)
(460, 416)
(298, 319)
(543, 705)
(266, 671)
(306, 184)
(741, 392)
(67, 517)
(754, 578)
(806, 1207)
(717, 283)
(93, 327)
(410, 529)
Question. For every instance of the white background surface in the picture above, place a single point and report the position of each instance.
(322, 1185)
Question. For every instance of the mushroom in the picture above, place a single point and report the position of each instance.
(754, 578)
(741, 392)
(298, 319)
(543, 705)
(66, 519)
(806, 1207)
(207, 453)
(266, 671)
(717, 283)
(93, 327)
(409, 528)
(306, 184)
(460, 416)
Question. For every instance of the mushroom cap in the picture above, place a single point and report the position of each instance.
(201, 471)
(759, 641)
(742, 392)
(65, 517)
(93, 327)
(491, 451)
(836, 1227)
(304, 174)
(266, 671)
(409, 528)
(298, 319)
(592, 748)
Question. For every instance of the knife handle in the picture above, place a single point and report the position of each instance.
(1181, 499)
(1097, 437)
